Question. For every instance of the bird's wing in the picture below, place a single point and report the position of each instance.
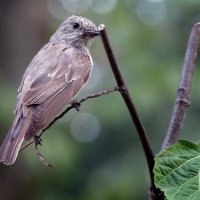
(51, 90)
(58, 71)
(36, 75)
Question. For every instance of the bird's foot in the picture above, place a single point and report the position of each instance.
(37, 140)
(75, 104)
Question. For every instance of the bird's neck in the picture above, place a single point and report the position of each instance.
(82, 43)
(79, 43)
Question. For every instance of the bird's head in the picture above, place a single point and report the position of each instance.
(77, 31)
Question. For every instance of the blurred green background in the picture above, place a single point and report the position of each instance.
(96, 151)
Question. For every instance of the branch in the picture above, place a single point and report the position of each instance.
(40, 156)
(182, 101)
(75, 105)
(132, 110)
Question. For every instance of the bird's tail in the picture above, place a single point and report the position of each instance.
(14, 138)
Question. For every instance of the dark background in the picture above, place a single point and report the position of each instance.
(96, 152)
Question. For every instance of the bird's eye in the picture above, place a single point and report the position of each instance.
(75, 25)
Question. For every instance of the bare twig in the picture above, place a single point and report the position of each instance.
(41, 157)
(120, 89)
(182, 101)
(26, 145)
(132, 110)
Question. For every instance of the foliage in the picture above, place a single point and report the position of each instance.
(177, 171)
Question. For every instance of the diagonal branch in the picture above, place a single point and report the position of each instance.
(132, 110)
(182, 101)
(76, 105)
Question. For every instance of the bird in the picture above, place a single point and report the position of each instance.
(51, 81)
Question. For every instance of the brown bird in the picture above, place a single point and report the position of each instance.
(53, 78)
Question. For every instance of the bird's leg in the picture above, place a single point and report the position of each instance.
(75, 104)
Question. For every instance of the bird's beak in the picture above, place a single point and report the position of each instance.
(92, 32)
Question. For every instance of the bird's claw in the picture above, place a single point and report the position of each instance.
(37, 140)
(75, 104)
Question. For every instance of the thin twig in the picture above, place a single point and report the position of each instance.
(26, 145)
(182, 101)
(74, 106)
(41, 157)
(132, 109)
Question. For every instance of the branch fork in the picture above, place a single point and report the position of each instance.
(182, 102)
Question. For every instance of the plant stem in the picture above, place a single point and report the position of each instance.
(182, 101)
(131, 107)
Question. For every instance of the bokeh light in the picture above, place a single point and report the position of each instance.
(76, 6)
(103, 6)
(151, 12)
(85, 127)
(56, 9)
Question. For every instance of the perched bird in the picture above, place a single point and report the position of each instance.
(51, 81)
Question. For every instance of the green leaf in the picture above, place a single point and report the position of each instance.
(177, 171)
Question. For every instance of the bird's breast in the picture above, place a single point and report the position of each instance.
(83, 57)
